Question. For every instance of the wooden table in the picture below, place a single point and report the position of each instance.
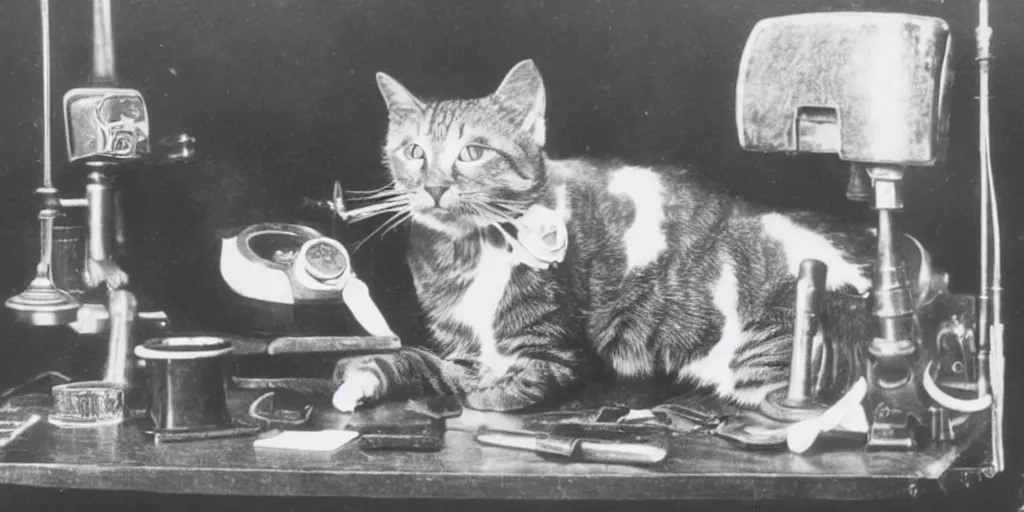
(699, 467)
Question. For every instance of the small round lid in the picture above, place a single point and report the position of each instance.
(184, 347)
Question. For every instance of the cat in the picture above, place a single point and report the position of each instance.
(665, 276)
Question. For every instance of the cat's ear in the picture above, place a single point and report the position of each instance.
(401, 103)
(523, 90)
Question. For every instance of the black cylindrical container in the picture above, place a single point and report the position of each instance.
(187, 382)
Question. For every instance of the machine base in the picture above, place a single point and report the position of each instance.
(902, 415)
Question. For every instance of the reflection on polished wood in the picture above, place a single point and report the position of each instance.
(699, 467)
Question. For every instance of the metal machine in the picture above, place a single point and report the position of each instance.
(107, 130)
(872, 89)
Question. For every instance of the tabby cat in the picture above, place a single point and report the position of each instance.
(665, 277)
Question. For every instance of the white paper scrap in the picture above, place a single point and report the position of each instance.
(309, 441)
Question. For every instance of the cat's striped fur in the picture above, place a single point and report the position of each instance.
(664, 278)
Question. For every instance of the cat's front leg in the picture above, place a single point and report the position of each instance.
(525, 383)
(415, 372)
(408, 373)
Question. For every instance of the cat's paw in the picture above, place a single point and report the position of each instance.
(358, 388)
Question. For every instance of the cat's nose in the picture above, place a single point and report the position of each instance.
(436, 193)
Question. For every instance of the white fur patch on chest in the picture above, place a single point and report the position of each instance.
(645, 238)
(714, 368)
(800, 243)
(479, 304)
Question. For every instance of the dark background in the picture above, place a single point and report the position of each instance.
(282, 100)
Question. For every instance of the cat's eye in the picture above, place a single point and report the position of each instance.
(471, 153)
(414, 152)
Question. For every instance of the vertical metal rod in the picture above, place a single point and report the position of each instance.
(990, 344)
(983, 296)
(123, 308)
(100, 197)
(103, 68)
(47, 162)
(47, 215)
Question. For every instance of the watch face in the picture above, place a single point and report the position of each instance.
(325, 260)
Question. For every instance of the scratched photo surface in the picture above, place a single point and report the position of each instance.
(282, 100)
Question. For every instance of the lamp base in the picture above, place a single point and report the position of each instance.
(43, 304)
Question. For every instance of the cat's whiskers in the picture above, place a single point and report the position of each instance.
(495, 212)
(386, 188)
(377, 206)
(390, 194)
(394, 221)
(481, 199)
(512, 202)
(512, 209)
(390, 206)
(487, 212)
(404, 197)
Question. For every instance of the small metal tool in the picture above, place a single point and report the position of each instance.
(695, 420)
(280, 408)
(584, 443)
